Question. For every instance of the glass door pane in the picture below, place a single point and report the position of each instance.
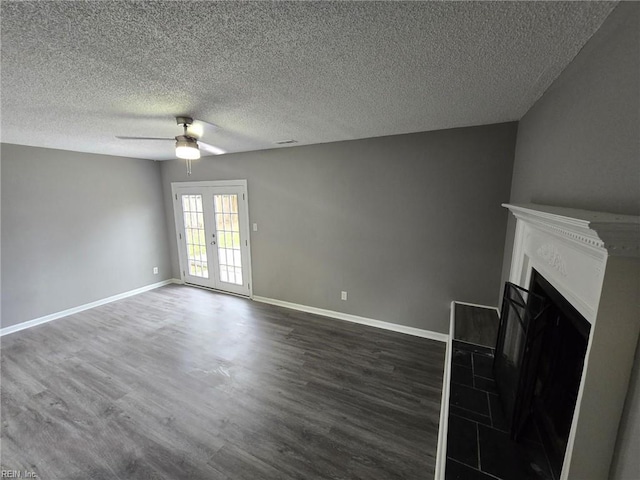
(228, 235)
(195, 237)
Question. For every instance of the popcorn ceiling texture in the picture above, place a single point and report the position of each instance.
(76, 74)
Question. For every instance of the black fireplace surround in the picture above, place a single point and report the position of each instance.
(539, 358)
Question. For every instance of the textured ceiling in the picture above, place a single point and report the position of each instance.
(76, 74)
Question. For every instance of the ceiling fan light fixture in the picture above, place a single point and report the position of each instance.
(187, 148)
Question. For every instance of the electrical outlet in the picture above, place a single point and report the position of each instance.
(255, 227)
(155, 270)
(343, 295)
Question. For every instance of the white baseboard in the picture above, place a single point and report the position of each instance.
(417, 332)
(81, 308)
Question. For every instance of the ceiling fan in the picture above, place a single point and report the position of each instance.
(187, 145)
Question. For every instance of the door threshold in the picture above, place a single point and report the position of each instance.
(211, 289)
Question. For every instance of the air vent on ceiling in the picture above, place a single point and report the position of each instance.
(286, 142)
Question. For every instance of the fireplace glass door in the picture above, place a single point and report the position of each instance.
(519, 338)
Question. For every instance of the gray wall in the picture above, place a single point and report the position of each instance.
(579, 147)
(77, 228)
(404, 223)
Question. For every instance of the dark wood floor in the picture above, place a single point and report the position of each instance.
(182, 383)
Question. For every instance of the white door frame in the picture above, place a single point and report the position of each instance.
(179, 227)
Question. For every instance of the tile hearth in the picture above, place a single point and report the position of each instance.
(478, 443)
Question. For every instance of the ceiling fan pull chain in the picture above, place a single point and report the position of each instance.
(184, 126)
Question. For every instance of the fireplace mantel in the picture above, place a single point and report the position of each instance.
(593, 260)
(617, 234)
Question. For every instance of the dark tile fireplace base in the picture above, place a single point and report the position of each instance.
(478, 444)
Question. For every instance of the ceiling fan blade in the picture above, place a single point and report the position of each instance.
(144, 138)
(201, 129)
(209, 125)
(211, 148)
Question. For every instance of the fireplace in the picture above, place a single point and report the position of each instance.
(585, 267)
(539, 359)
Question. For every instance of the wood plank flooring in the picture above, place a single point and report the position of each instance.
(183, 383)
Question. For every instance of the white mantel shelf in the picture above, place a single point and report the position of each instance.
(617, 234)
(593, 260)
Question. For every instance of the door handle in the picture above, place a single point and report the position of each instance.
(213, 242)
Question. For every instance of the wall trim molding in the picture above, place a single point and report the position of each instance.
(81, 308)
(394, 327)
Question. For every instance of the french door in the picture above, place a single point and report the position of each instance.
(212, 223)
